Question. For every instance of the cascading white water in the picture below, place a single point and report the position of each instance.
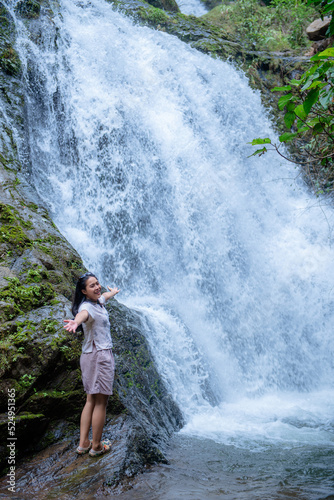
(138, 145)
(194, 7)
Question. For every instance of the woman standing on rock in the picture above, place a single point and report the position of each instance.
(96, 361)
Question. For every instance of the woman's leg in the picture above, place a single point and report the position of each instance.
(98, 419)
(86, 420)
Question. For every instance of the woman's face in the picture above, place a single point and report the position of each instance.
(92, 289)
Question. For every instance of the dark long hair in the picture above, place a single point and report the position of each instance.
(78, 295)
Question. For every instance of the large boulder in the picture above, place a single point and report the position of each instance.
(317, 30)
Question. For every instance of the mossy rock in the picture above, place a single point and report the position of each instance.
(28, 8)
(199, 33)
(10, 61)
(57, 404)
(168, 5)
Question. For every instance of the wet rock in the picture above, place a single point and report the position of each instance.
(5, 272)
(211, 4)
(317, 30)
(319, 46)
(60, 472)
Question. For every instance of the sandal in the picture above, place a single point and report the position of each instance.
(106, 446)
(83, 451)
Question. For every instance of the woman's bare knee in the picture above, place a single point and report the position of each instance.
(101, 399)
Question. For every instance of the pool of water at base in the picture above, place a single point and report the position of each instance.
(200, 469)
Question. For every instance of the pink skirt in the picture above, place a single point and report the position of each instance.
(97, 371)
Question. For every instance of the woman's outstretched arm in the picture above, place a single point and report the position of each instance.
(72, 324)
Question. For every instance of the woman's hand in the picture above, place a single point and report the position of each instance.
(112, 292)
(71, 326)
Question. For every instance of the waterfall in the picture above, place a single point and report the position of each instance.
(194, 7)
(138, 144)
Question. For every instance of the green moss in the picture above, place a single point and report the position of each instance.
(169, 5)
(25, 298)
(7, 164)
(23, 333)
(33, 207)
(15, 236)
(58, 404)
(11, 231)
(156, 388)
(7, 214)
(36, 275)
(153, 15)
(72, 350)
(10, 61)
(26, 380)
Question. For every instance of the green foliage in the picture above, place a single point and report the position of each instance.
(153, 15)
(11, 228)
(309, 114)
(326, 8)
(24, 330)
(278, 26)
(49, 326)
(34, 276)
(25, 298)
(26, 380)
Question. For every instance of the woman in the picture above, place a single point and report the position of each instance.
(96, 361)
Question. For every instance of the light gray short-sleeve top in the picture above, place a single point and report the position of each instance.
(97, 326)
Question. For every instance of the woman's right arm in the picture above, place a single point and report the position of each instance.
(72, 324)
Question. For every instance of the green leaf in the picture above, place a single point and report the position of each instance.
(313, 122)
(311, 98)
(317, 84)
(259, 152)
(289, 118)
(255, 142)
(290, 106)
(284, 100)
(323, 69)
(310, 84)
(281, 89)
(317, 129)
(287, 136)
(300, 111)
(295, 82)
(309, 72)
(326, 98)
(324, 54)
(302, 130)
